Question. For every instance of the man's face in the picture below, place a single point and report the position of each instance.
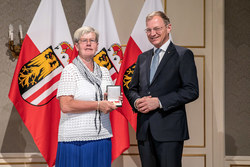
(157, 31)
(87, 45)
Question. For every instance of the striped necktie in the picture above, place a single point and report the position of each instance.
(154, 64)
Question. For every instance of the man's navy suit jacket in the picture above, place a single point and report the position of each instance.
(175, 84)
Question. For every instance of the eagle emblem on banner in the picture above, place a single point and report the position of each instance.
(38, 78)
(128, 77)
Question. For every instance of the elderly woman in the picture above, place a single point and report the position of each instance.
(84, 129)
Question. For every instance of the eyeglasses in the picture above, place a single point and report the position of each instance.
(86, 41)
(156, 29)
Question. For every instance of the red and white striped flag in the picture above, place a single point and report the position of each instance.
(137, 44)
(45, 51)
(109, 55)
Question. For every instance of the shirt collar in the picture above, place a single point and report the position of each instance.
(164, 46)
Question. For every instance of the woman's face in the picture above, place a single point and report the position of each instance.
(87, 45)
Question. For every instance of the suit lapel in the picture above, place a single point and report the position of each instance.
(168, 54)
(148, 61)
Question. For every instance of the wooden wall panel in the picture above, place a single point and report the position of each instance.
(187, 19)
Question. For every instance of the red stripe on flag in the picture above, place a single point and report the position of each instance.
(44, 88)
(73, 55)
(130, 56)
(48, 98)
(114, 76)
(120, 140)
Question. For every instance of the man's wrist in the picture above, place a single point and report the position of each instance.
(135, 103)
(160, 105)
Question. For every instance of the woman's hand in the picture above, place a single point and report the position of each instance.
(105, 96)
(121, 97)
(106, 106)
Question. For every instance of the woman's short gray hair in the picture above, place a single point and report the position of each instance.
(85, 30)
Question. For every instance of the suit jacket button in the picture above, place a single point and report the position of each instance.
(148, 92)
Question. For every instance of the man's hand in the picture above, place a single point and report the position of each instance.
(147, 104)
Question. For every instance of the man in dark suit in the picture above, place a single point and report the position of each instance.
(158, 93)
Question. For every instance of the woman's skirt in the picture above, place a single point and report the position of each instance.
(94, 153)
